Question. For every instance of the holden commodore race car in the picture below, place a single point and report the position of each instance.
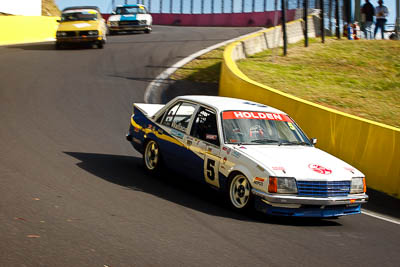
(257, 155)
(130, 18)
(81, 24)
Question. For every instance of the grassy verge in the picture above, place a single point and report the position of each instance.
(357, 77)
(205, 68)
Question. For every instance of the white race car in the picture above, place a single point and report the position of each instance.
(256, 154)
(130, 18)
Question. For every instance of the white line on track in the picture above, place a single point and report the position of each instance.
(380, 216)
(168, 72)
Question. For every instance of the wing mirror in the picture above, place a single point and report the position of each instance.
(58, 20)
(113, 13)
(314, 141)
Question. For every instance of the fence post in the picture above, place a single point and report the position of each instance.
(321, 3)
(181, 6)
(337, 19)
(283, 3)
(305, 18)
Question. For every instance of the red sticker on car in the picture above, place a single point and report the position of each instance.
(319, 169)
(230, 115)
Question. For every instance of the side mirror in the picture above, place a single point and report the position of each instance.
(58, 20)
(113, 13)
(313, 141)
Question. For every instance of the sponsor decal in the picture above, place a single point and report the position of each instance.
(278, 168)
(236, 154)
(150, 126)
(211, 136)
(319, 169)
(177, 134)
(291, 126)
(229, 115)
(226, 149)
(136, 129)
(259, 181)
(225, 159)
(242, 147)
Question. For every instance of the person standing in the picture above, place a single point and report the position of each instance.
(381, 12)
(368, 13)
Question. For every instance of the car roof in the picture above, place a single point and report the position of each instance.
(81, 7)
(227, 103)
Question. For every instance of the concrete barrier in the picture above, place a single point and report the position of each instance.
(372, 147)
(27, 29)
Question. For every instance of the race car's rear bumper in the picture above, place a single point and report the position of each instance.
(290, 205)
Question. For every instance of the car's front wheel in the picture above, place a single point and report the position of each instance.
(239, 192)
(151, 156)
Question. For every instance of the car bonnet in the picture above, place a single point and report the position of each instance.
(301, 162)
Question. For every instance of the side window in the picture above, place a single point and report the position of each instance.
(205, 126)
(179, 116)
(170, 115)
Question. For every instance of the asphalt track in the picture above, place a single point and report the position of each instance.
(74, 193)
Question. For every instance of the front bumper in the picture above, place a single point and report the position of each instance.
(289, 205)
(129, 27)
(79, 39)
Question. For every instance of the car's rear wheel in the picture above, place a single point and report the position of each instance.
(100, 44)
(151, 156)
(148, 30)
(239, 192)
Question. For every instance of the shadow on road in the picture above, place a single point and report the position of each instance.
(51, 46)
(128, 172)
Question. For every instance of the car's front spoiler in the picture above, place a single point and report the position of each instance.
(293, 201)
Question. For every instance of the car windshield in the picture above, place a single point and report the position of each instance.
(79, 16)
(250, 128)
(130, 10)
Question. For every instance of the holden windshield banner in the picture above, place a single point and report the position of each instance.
(231, 115)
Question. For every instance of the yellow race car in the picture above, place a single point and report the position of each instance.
(81, 24)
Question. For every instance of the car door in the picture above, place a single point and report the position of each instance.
(206, 145)
(172, 142)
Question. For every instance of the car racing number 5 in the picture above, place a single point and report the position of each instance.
(211, 166)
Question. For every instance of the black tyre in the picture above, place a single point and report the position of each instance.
(152, 157)
(100, 44)
(148, 30)
(239, 192)
(58, 45)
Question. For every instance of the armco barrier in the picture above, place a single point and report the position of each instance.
(27, 29)
(372, 147)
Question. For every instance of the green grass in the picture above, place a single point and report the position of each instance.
(357, 77)
(205, 68)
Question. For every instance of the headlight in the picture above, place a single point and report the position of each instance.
(358, 185)
(93, 32)
(282, 185)
(61, 34)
